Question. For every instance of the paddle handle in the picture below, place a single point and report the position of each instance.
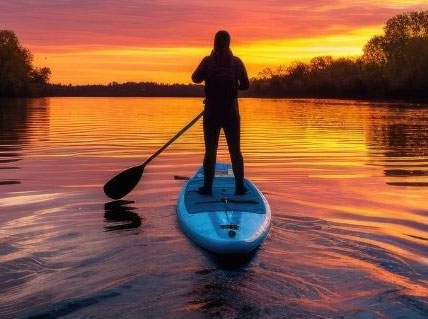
(184, 129)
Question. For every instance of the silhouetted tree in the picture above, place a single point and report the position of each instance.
(18, 77)
(401, 54)
(393, 65)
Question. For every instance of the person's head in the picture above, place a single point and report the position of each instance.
(221, 40)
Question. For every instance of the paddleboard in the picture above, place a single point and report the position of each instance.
(223, 223)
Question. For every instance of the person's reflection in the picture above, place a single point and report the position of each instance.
(121, 215)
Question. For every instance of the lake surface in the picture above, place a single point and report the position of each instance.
(347, 182)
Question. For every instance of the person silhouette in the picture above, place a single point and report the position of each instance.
(224, 74)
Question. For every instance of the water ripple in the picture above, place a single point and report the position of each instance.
(346, 181)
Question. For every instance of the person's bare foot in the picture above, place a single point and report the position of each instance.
(241, 190)
(205, 191)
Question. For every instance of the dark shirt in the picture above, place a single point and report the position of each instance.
(213, 108)
(202, 71)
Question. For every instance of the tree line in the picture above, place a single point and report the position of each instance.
(393, 65)
(127, 89)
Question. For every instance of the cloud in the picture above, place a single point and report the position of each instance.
(186, 22)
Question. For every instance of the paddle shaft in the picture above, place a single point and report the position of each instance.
(184, 129)
(125, 181)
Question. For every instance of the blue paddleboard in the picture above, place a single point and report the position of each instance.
(223, 223)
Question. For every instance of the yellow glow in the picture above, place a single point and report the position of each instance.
(25, 198)
(175, 64)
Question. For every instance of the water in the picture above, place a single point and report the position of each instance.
(346, 181)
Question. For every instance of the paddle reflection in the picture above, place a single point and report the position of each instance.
(121, 215)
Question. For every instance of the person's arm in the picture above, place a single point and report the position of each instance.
(199, 75)
(244, 83)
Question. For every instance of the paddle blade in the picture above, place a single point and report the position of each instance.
(124, 182)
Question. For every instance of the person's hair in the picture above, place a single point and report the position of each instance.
(221, 52)
(221, 40)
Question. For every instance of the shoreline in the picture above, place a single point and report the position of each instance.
(361, 99)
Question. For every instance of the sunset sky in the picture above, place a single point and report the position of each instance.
(100, 41)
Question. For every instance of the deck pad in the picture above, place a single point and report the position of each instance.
(223, 197)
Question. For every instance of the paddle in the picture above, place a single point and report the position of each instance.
(125, 181)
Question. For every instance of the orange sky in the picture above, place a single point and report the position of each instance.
(100, 41)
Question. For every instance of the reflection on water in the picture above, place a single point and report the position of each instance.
(17, 118)
(346, 181)
(118, 211)
(403, 138)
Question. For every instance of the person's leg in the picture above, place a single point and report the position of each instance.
(232, 130)
(211, 136)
